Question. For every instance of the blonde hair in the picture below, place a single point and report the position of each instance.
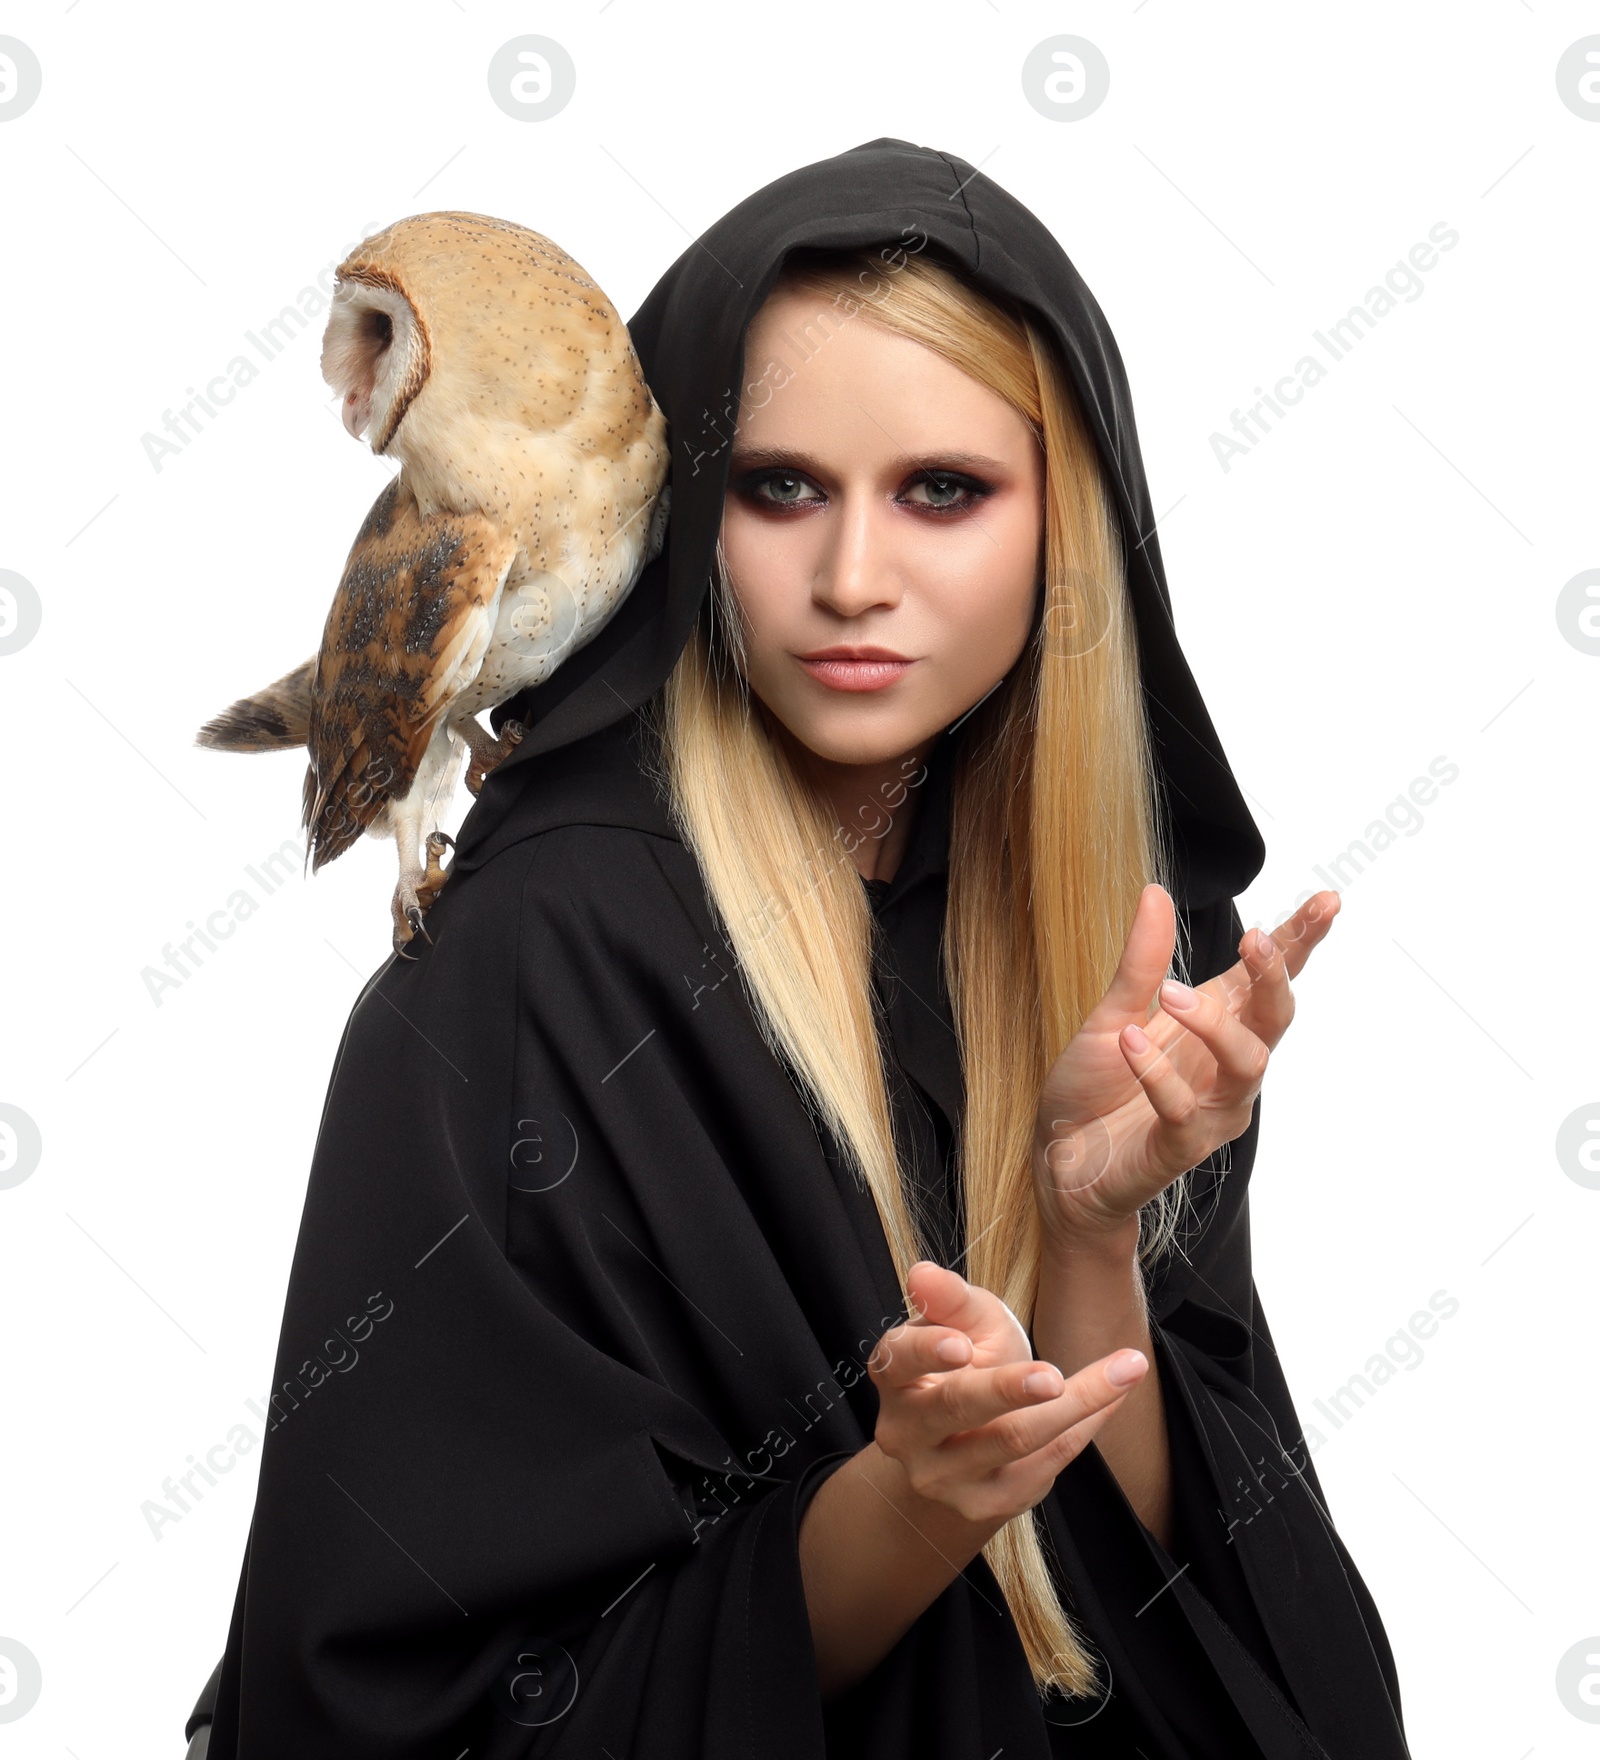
(1054, 833)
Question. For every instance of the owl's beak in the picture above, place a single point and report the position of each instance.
(356, 411)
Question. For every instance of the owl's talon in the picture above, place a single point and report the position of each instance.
(416, 893)
(432, 883)
(487, 753)
(406, 910)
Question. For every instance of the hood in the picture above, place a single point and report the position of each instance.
(689, 334)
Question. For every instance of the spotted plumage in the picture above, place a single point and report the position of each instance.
(531, 493)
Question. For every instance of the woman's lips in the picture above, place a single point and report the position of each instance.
(857, 675)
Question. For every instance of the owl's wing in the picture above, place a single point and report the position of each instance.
(408, 627)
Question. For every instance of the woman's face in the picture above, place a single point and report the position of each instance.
(878, 499)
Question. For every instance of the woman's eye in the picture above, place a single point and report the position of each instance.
(948, 492)
(785, 486)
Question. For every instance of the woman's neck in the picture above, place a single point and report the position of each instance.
(875, 804)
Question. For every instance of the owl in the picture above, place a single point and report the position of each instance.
(531, 493)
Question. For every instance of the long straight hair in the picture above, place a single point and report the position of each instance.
(1055, 830)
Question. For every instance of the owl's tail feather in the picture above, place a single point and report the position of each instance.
(274, 720)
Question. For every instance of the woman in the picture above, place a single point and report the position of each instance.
(816, 1291)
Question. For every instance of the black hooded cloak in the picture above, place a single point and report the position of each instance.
(582, 1297)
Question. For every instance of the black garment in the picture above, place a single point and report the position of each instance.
(928, 1091)
(582, 1296)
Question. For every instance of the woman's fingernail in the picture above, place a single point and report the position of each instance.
(950, 1350)
(1041, 1381)
(1124, 1370)
(1265, 946)
(1176, 995)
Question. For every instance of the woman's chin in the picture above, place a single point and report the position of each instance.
(857, 735)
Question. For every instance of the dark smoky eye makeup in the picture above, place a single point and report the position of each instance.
(749, 485)
(942, 484)
(946, 491)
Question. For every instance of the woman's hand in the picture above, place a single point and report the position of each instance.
(978, 1425)
(1138, 1098)
(962, 1446)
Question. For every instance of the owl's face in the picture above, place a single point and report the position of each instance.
(375, 353)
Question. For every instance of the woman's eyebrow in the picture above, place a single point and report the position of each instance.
(793, 458)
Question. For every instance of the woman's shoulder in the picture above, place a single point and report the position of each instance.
(586, 877)
(598, 872)
(611, 778)
(585, 850)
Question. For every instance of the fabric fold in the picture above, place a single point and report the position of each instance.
(1274, 1614)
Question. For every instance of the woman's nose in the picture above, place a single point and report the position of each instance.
(858, 569)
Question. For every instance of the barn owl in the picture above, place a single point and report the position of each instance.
(531, 493)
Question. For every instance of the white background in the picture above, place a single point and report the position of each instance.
(1372, 587)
